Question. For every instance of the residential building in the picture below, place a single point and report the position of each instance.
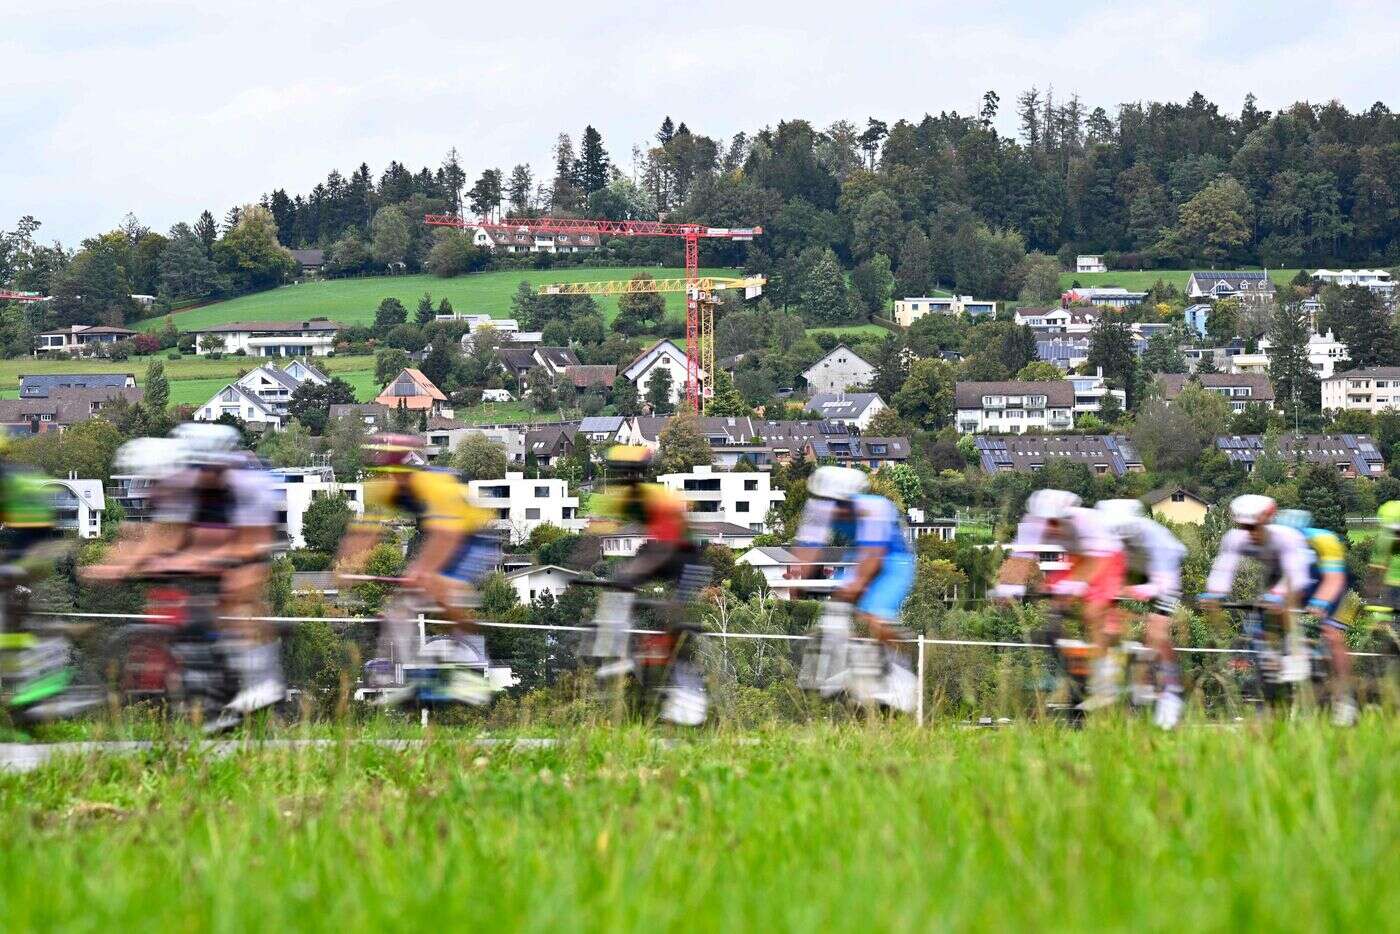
(626, 540)
(374, 417)
(1066, 351)
(296, 488)
(1371, 390)
(235, 401)
(1013, 406)
(1088, 262)
(1242, 389)
(857, 450)
(1257, 363)
(555, 360)
(522, 505)
(445, 435)
(663, 355)
(839, 371)
(1377, 280)
(80, 339)
(1105, 455)
(591, 376)
(62, 408)
(78, 506)
(909, 310)
(1106, 297)
(541, 580)
(305, 372)
(602, 430)
(314, 337)
(1090, 391)
(415, 392)
(1177, 505)
(521, 240)
(1077, 320)
(1219, 356)
(549, 444)
(1325, 352)
(40, 386)
(1350, 455)
(1196, 316)
(775, 562)
(856, 409)
(310, 262)
(1212, 285)
(738, 498)
(272, 386)
(133, 494)
(921, 526)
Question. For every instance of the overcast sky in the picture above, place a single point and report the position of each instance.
(165, 107)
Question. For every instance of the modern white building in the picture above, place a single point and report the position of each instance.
(1373, 390)
(311, 338)
(742, 499)
(296, 488)
(1088, 262)
(775, 562)
(522, 505)
(1377, 280)
(80, 339)
(78, 506)
(1012, 407)
(909, 310)
(541, 580)
(840, 370)
(1106, 297)
(1090, 391)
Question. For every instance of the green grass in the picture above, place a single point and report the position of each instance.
(1141, 281)
(852, 331)
(353, 301)
(193, 379)
(1288, 827)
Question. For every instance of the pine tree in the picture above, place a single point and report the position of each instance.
(594, 167)
(1296, 386)
(424, 313)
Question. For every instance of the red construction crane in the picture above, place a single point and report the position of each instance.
(692, 234)
(8, 296)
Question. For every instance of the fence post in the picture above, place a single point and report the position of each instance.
(919, 708)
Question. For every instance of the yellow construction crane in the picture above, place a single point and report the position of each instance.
(705, 288)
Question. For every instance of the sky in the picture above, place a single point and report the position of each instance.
(163, 109)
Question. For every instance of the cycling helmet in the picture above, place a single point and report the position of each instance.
(629, 459)
(387, 451)
(1120, 515)
(1299, 519)
(1253, 509)
(151, 458)
(1051, 504)
(1389, 515)
(208, 444)
(839, 483)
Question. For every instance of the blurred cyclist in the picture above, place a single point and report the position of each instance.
(452, 548)
(1384, 580)
(1286, 559)
(669, 556)
(1324, 601)
(839, 509)
(215, 517)
(1155, 553)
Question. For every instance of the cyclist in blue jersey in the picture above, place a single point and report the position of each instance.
(1325, 601)
(840, 511)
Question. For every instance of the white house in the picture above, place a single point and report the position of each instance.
(1377, 280)
(1106, 297)
(314, 337)
(663, 355)
(522, 505)
(909, 310)
(296, 488)
(1248, 285)
(775, 562)
(80, 339)
(304, 372)
(838, 371)
(1013, 406)
(272, 386)
(1373, 390)
(1090, 391)
(241, 404)
(1088, 262)
(847, 408)
(742, 499)
(541, 579)
(78, 506)
(1325, 352)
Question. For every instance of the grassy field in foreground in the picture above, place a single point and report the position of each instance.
(353, 301)
(1145, 279)
(193, 379)
(1290, 827)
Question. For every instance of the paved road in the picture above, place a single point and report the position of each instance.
(25, 757)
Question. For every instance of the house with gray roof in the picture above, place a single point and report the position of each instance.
(1012, 407)
(1241, 389)
(1105, 455)
(240, 403)
(1212, 285)
(1350, 455)
(42, 385)
(856, 409)
(839, 371)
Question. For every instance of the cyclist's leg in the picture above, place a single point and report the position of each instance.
(879, 607)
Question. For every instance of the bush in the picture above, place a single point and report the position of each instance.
(174, 355)
(308, 559)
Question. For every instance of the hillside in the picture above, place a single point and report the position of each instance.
(1139, 280)
(353, 301)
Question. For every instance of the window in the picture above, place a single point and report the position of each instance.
(532, 513)
(1178, 497)
(541, 492)
(741, 506)
(750, 486)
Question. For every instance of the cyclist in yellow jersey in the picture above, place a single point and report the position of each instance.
(1324, 601)
(453, 549)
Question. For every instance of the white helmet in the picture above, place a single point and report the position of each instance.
(1120, 515)
(842, 483)
(151, 458)
(1051, 504)
(1252, 509)
(208, 444)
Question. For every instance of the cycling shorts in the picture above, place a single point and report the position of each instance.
(1329, 612)
(1107, 582)
(885, 595)
(476, 557)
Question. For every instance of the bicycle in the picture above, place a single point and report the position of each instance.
(1270, 675)
(39, 678)
(835, 664)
